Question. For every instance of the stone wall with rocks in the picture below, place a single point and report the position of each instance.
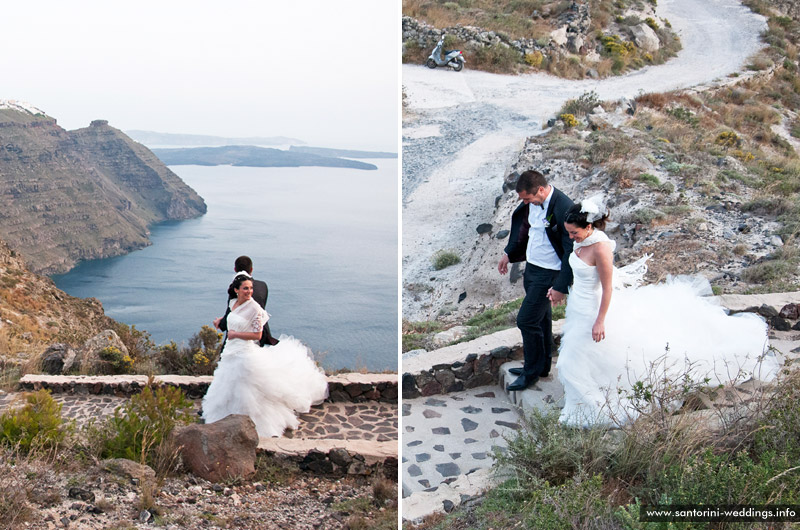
(477, 369)
(355, 388)
(570, 35)
(340, 461)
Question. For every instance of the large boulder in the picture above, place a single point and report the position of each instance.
(88, 359)
(58, 359)
(219, 451)
(645, 38)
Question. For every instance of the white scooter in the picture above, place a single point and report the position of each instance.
(452, 58)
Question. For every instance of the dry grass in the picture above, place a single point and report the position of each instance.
(14, 484)
(511, 17)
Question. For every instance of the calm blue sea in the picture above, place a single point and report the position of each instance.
(324, 240)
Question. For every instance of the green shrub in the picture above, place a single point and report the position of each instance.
(727, 479)
(683, 114)
(139, 430)
(768, 271)
(578, 503)
(649, 179)
(497, 58)
(546, 450)
(582, 105)
(36, 425)
(645, 216)
(496, 316)
(445, 258)
(728, 139)
(650, 21)
(115, 362)
(569, 120)
(614, 46)
(534, 59)
(780, 430)
(200, 357)
(138, 342)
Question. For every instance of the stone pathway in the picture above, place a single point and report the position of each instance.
(82, 409)
(334, 421)
(446, 436)
(455, 434)
(367, 429)
(349, 421)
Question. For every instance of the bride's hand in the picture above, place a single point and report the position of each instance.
(598, 331)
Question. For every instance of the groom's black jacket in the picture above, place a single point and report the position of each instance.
(520, 226)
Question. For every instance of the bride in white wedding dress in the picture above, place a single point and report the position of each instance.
(268, 384)
(616, 334)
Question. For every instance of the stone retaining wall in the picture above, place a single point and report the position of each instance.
(335, 457)
(474, 371)
(352, 387)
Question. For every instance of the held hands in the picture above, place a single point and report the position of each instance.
(217, 321)
(598, 331)
(556, 297)
(502, 267)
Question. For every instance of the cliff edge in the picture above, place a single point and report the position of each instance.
(67, 196)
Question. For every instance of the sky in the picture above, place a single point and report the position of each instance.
(325, 72)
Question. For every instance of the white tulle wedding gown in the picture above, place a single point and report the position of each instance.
(268, 384)
(661, 329)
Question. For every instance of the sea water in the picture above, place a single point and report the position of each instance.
(324, 240)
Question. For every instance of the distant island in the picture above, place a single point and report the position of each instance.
(345, 153)
(248, 155)
(152, 139)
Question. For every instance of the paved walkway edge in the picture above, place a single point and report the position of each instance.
(447, 496)
(351, 457)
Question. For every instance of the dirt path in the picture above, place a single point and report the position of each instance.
(469, 126)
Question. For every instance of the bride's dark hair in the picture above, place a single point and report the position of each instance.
(578, 218)
(237, 282)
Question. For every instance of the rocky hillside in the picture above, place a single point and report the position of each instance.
(67, 196)
(33, 312)
(574, 39)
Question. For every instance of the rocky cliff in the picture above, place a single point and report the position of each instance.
(67, 196)
(34, 312)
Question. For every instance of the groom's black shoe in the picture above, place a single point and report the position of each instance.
(522, 382)
(519, 370)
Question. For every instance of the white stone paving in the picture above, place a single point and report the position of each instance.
(446, 436)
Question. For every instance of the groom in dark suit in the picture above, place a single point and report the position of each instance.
(260, 293)
(539, 238)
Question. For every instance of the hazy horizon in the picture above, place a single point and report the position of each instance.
(326, 73)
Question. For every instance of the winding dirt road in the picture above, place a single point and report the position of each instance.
(470, 126)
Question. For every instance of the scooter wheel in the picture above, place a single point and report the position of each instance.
(457, 66)
(430, 63)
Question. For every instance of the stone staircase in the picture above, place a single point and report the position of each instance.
(354, 431)
(452, 398)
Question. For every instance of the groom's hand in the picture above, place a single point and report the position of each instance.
(555, 297)
(503, 265)
(217, 321)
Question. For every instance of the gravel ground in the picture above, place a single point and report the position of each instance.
(464, 130)
(302, 502)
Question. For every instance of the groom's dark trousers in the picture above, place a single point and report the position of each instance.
(534, 317)
(534, 320)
